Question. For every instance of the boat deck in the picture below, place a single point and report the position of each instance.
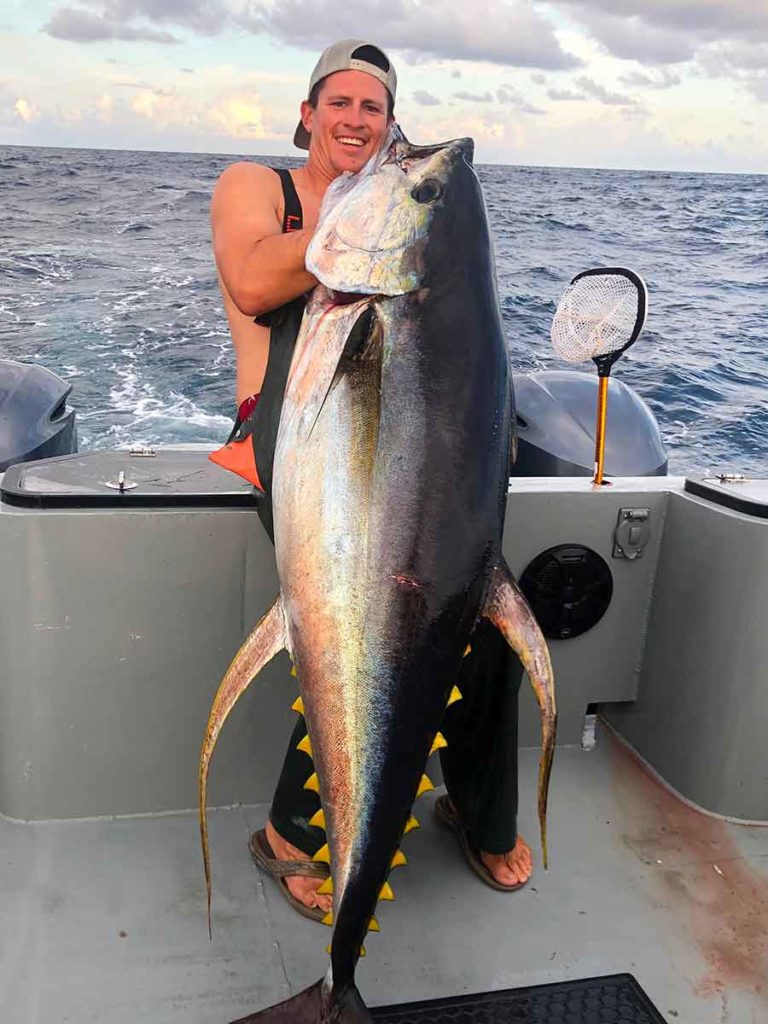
(104, 920)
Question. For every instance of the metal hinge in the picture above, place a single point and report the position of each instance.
(632, 533)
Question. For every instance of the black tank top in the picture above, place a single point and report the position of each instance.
(284, 324)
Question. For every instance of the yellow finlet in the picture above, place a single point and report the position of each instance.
(362, 951)
(313, 783)
(298, 706)
(424, 786)
(456, 694)
(328, 919)
(468, 650)
(318, 819)
(326, 889)
(385, 893)
(305, 745)
(328, 950)
(411, 825)
(293, 671)
(323, 854)
(439, 742)
(398, 860)
(373, 925)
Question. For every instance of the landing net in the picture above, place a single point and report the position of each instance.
(597, 315)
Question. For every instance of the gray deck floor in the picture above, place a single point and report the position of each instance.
(105, 921)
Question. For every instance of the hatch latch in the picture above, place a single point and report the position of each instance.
(632, 533)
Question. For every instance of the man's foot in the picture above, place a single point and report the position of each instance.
(302, 887)
(505, 871)
(512, 868)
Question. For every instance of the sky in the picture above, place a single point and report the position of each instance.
(649, 84)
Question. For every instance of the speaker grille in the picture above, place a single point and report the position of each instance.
(569, 588)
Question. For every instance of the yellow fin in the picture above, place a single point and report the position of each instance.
(298, 706)
(305, 745)
(385, 893)
(326, 889)
(328, 950)
(424, 786)
(398, 859)
(373, 925)
(439, 742)
(362, 951)
(456, 694)
(328, 919)
(323, 854)
(313, 783)
(411, 825)
(318, 819)
(293, 671)
(468, 650)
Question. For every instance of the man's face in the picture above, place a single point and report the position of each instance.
(350, 121)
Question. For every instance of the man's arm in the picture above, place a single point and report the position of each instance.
(261, 268)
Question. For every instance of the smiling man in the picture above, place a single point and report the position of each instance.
(262, 223)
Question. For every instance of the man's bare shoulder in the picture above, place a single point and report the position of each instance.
(247, 183)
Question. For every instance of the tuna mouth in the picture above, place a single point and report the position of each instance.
(346, 298)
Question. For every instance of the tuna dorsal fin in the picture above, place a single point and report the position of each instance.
(508, 610)
(267, 639)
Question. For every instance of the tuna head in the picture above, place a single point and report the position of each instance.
(376, 238)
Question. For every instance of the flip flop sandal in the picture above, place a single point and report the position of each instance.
(446, 814)
(264, 857)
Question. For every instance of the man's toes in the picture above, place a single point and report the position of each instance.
(324, 902)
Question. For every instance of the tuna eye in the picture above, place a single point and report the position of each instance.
(427, 191)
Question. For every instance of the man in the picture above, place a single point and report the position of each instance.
(262, 224)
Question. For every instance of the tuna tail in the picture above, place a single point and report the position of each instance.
(315, 1005)
(266, 640)
(508, 610)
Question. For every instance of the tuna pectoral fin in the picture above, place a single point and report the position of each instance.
(266, 640)
(508, 610)
(314, 1006)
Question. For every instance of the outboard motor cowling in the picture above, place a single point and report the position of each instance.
(556, 428)
(35, 421)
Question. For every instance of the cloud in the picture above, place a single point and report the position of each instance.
(669, 31)
(705, 19)
(509, 95)
(599, 92)
(425, 99)
(239, 115)
(143, 85)
(106, 107)
(665, 79)
(565, 95)
(474, 97)
(521, 35)
(26, 111)
(85, 27)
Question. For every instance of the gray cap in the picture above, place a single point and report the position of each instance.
(344, 56)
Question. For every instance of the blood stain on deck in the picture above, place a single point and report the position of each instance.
(703, 877)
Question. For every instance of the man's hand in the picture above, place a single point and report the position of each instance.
(260, 267)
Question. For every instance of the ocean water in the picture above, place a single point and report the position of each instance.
(107, 278)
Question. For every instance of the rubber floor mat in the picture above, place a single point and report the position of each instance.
(614, 999)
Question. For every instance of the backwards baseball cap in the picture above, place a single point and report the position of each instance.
(349, 55)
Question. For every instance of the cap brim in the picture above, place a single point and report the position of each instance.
(301, 137)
